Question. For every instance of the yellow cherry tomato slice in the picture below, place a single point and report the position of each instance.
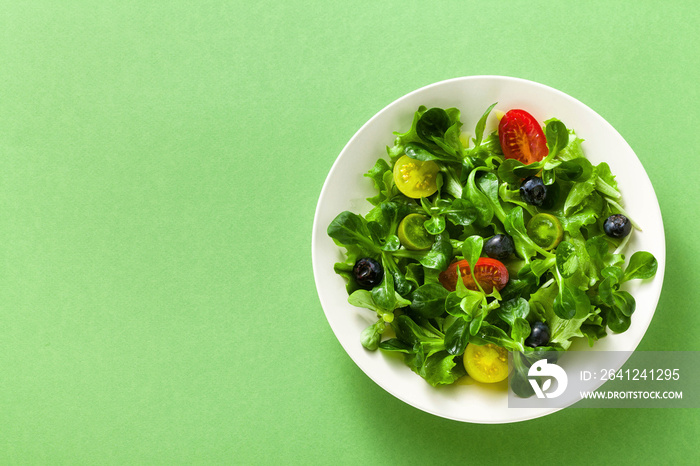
(487, 364)
(416, 178)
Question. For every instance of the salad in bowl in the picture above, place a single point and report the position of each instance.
(476, 242)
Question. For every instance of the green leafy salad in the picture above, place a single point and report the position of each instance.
(508, 242)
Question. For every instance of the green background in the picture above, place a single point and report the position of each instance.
(160, 164)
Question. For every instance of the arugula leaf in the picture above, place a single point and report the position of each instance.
(365, 299)
(506, 171)
(362, 238)
(421, 152)
(411, 135)
(512, 310)
(594, 327)
(453, 304)
(520, 330)
(541, 266)
(414, 275)
(578, 169)
(523, 171)
(599, 251)
(440, 253)
(484, 309)
(579, 192)
(435, 224)
(562, 330)
(489, 333)
(519, 287)
(484, 208)
(382, 183)
(402, 285)
(427, 355)
(624, 303)
(616, 305)
(345, 268)
(548, 176)
(351, 229)
(452, 138)
(567, 259)
(452, 183)
(542, 301)
(438, 369)
(557, 137)
(457, 211)
(572, 150)
(383, 221)
(586, 213)
(512, 196)
(514, 224)
(396, 345)
(571, 302)
(617, 316)
(429, 300)
(463, 302)
(642, 265)
(471, 250)
(435, 136)
(410, 332)
(481, 125)
(433, 124)
(372, 335)
(515, 313)
(457, 337)
(383, 294)
(605, 182)
(488, 184)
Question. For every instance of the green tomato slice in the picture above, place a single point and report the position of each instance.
(545, 230)
(413, 234)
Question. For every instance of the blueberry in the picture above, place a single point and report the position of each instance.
(533, 191)
(499, 247)
(617, 226)
(539, 335)
(368, 273)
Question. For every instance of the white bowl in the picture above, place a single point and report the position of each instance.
(345, 188)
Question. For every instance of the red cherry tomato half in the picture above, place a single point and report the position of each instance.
(522, 137)
(490, 273)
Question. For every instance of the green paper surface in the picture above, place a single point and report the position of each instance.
(160, 164)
